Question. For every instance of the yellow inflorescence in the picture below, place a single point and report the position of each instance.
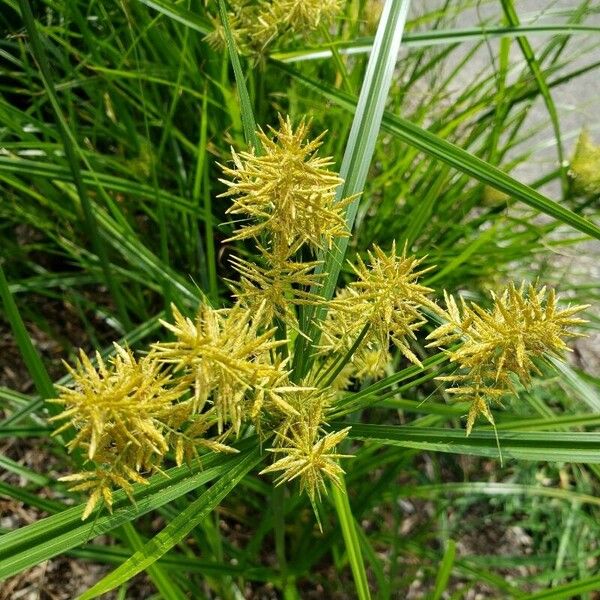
(121, 413)
(256, 24)
(385, 304)
(308, 450)
(286, 193)
(222, 355)
(286, 200)
(311, 458)
(227, 369)
(523, 324)
(278, 285)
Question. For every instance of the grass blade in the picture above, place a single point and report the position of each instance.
(55, 535)
(441, 581)
(536, 70)
(32, 168)
(177, 13)
(369, 395)
(490, 488)
(72, 151)
(160, 578)
(248, 121)
(32, 359)
(572, 447)
(177, 528)
(419, 39)
(574, 589)
(347, 524)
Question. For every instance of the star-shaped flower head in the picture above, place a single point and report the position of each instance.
(523, 324)
(309, 452)
(119, 411)
(312, 459)
(385, 305)
(286, 193)
(253, 25)
(307, 14)
(222, 355)
(117, 405)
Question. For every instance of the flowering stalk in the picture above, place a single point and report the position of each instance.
(228, 369)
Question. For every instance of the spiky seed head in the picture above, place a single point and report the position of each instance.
(523, 324)
(288, 192)
(311, 459)
(277, 282)
(221, 356)
(388, 299)
(119, 410)
(256, 25)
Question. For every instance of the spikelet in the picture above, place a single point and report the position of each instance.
(286, 193)
(117, 404)
(386, 300)
(309, 452)
(222, 356)
(278, 282)
(585, 166)
(253, 27)
(523, 324)
(120, 412)
(311, 458)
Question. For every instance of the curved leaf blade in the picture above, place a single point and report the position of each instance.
(458, 158)
(178, 528)
(573, 447)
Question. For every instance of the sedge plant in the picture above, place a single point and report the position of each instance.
(150, 107)
(228, 369)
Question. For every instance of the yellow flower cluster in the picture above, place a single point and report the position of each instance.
(222, 355)
(309, 452)
(227, 369)
(255, 24)
(497, 344)
(123, 414)
(287, 192)
(386, 303)
(286, 198)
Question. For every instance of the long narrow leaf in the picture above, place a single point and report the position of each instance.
(536, 70)
(348, 526)
(573, 447)
(32, 359)
(458, 158)
(177, 528)
(177, 13)
(418, 39)
(248, 121)
(73, 154)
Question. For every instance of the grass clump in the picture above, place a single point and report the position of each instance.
(231, 367)
(279, 369)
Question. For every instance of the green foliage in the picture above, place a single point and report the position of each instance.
(114, 121)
